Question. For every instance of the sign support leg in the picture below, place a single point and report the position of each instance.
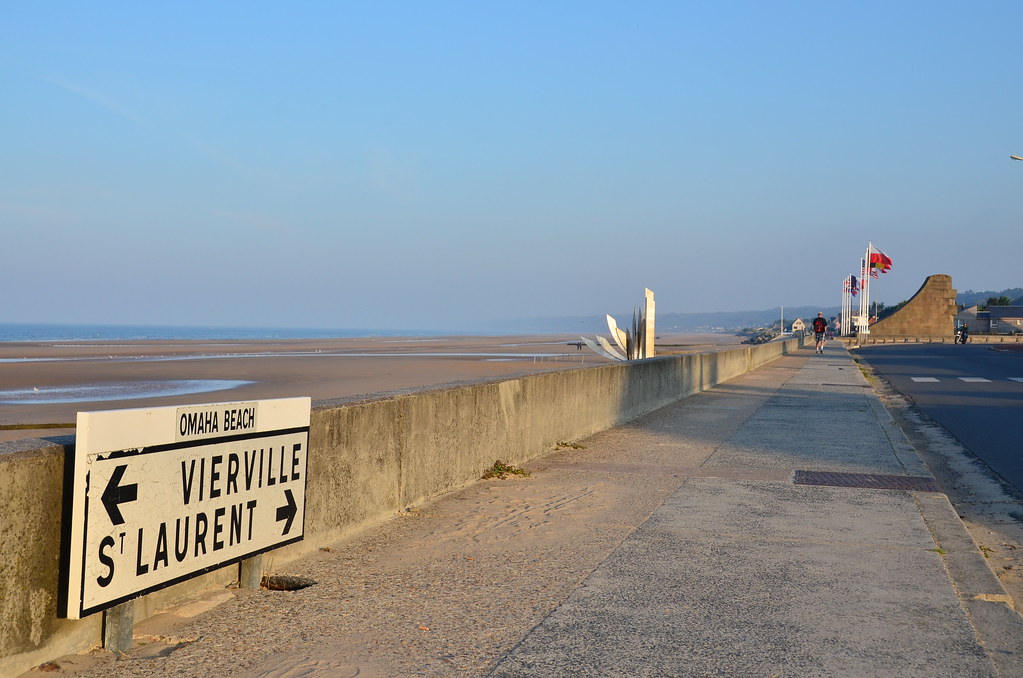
(119, 626)
(250, 572)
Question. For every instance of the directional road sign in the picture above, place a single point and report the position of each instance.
(164, 494)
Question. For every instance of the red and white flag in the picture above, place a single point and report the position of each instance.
(879, 261)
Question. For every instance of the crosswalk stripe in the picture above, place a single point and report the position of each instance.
(969, 380)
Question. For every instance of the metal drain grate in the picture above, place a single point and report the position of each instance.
(866, 480)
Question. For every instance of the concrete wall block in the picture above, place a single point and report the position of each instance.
(447, 438)
(765, 353)
(635, 384)
(680, 372)
(30, 525)
(354, 467)
(673, 377)
(562, 407)
(725, 365)
(706, 371)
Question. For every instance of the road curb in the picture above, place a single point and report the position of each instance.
(988, 605)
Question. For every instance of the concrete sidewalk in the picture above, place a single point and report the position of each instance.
(736, 574)
(695, 541)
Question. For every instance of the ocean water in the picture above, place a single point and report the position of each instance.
(57, 332)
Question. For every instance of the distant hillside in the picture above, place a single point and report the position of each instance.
(730, 321)
(719, 321)
(969, 297)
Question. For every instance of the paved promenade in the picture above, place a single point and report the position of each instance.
(698, 540)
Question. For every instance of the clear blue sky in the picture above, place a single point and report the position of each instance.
(438, 164)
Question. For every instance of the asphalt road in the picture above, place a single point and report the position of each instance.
(974, 391)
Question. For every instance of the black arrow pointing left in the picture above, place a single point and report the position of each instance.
(116, 494)
(287, 512)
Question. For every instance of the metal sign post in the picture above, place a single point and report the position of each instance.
(164, 494)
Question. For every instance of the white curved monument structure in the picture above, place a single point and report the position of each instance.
(637, 343)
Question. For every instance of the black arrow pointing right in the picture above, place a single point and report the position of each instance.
(287, 512)
(113, 495)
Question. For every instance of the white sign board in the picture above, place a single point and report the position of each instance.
(164, 494)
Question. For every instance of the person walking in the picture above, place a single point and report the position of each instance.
(820, 327)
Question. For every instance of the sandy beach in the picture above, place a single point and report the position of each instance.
(44, 383)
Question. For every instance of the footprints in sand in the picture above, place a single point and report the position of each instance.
(303, 667)
(503, 518)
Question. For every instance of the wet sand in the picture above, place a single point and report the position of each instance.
(102, 375)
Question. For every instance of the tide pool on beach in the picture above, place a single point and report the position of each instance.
(126, 390)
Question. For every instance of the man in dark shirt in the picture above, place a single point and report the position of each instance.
(820, 327)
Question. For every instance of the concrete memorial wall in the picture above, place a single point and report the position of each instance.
(930, 313)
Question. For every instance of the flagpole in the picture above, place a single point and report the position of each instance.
(848, 312)
(841, 317)
(846, 305)
(862, 295)
(865, 301)
(841, 322)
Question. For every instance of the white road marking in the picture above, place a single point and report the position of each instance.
(969, 380)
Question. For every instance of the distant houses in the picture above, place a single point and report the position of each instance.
(995, 320)
(1006, 319)
(976, 321)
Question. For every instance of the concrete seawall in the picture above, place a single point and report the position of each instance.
(946, 339)
(367, 461)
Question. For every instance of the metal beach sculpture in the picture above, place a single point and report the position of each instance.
(636, 343)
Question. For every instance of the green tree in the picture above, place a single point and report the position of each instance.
(995, 301)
